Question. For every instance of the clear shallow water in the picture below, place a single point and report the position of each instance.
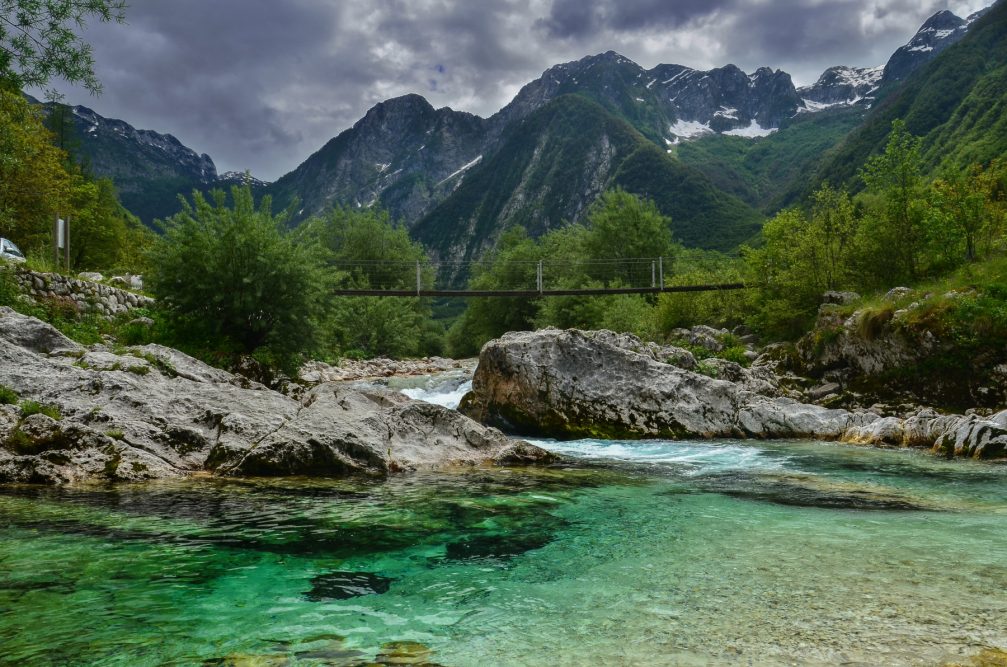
(636, 553)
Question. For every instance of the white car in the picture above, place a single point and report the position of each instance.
(9, 251)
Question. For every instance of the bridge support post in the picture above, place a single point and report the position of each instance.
(653, 273)
(419, 278)
(660, 270)
(538, 277)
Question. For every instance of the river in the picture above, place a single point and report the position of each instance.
(631, 553)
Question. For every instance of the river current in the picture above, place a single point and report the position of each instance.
(630, 553)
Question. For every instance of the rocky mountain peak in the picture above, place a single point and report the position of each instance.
(92, 126)
(842, 86)
(724, 100)
(945, 19)
(241, 178)
(936, 34)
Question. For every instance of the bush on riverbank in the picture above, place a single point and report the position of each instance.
(943, 343)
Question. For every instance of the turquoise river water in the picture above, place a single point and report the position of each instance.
(631, 553)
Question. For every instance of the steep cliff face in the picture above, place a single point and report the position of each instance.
(403, 155)
(551, 166)
(149, 169)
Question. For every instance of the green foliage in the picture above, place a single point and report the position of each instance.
(230, 279)
(510, 266)
(7, 395)
(770, 172)
(34, 182)
(10, 293)
(619, 226)
(968, 207)
(29, 408)
(622, 226)
(38, 40)
(20, 443)
(365, 249)
(717, 309)
(801, 258)
(895, 231)
(38, 182)
(900, 230)
(955, 104)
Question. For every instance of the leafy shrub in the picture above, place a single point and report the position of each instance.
(231, 280)
(7, 396)
(735, 354)
(873, 321)
(10, 293)
(29, 408)
(20, 443)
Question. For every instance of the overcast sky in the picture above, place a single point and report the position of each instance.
(262, 84)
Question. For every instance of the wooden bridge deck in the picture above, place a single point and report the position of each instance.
(537, 293)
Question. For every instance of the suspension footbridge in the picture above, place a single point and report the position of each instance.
(530, 279)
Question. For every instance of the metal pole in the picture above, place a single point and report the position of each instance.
(419, 278)
(538, 278)
(660, 270)
(653, 273)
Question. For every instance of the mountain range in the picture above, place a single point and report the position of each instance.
(716, 150)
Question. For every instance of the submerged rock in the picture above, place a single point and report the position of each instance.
(151, 412)
(570, 384)
(346, 585)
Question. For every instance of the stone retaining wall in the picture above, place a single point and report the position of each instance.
(89, 297)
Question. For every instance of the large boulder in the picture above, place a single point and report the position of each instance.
(570, 384)
(151, 411)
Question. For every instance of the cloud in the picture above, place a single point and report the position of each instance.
(260, 84)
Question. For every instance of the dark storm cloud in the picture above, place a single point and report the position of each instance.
(261, 84)
(843, 32)
(575, 18)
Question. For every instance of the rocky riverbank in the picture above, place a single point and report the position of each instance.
(572, 384)
(76, 413)
(349, 370)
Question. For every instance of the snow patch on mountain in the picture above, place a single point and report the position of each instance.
(688, 129)
(754, 130)
(461, 170)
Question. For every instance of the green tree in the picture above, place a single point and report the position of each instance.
(720, 309)
(624, 227)
(895, 234)
(369, 249)
(970, 206)
(34, 183)
(365, 249)
(802, 257)
(830, 239)
(510, 266)
(231, 279)
(38, 40)
(104, 235)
